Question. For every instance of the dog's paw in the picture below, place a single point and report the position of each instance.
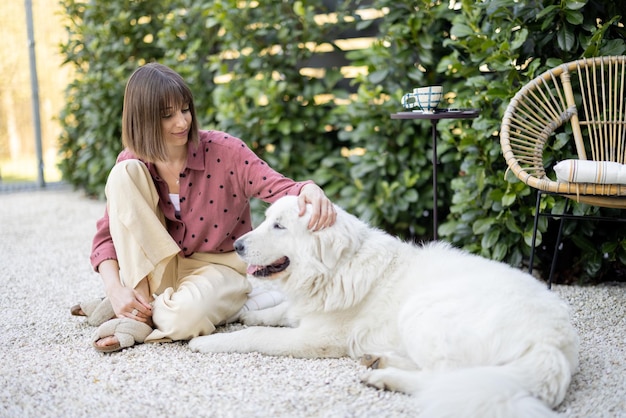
(387, 359)
(241, 341)
(252, 318)
(374, 380)
(275, 316)
(214, 343)
(396, 380)
(199, 344)
(372, 361)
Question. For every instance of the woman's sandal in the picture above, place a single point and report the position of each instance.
(126, 330)
(97, 311)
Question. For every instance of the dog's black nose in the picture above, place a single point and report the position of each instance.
(239, 247)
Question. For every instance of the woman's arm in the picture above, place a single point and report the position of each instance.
(124, 299)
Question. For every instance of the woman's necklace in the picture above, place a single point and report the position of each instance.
(176, 176)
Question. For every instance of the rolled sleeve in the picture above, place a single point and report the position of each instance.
(102, 245)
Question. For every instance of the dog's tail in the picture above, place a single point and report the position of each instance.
(526, 388)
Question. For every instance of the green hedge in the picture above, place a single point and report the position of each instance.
(375, 167)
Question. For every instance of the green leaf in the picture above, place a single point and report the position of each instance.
(574, 4)
(490, 238)
(593, 265)
(448, 228)
(512, 225)
(461, 30)
(584, 244)
(565, 38)
(508, 199)
(519, 39)
(574, 17)
(499, 251)
(548, 10)
(613, 47)
(609, 247)
(410, 195)
(481, 226)
(378, 77)
(528, 238)
(298, 8)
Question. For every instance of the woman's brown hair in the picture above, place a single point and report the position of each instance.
(150, 91)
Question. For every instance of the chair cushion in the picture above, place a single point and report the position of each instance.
(585, 171)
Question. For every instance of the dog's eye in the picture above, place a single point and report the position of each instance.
(278, 226)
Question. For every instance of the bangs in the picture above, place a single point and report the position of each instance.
(173, 96)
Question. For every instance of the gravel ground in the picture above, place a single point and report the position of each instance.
(48, 368)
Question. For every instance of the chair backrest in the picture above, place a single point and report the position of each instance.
(587, 94)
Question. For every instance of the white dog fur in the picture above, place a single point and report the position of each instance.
(468, 336)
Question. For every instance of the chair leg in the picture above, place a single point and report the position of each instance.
(557, 244)
(534, 239)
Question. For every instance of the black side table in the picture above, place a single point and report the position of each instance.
(434, 118)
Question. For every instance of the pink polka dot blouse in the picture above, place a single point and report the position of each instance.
(220, 177)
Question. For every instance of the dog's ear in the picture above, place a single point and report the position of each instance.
(330, 248)
(337, 241)
(339, 247)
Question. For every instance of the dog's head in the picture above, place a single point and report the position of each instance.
(330, 269)
(283, 243)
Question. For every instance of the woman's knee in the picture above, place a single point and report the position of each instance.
(127, 170)
(179, 317)
(131, 178)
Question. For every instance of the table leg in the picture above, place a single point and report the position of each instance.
(434, 133)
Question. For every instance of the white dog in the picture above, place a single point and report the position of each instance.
(470, 337)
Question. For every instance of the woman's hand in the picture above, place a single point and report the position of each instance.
(126, 302)
(323, 212)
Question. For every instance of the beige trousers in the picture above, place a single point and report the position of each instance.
(193, 294)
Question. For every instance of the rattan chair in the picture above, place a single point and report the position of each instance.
(582, 101)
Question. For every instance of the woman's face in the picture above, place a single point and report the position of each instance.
(175, 124)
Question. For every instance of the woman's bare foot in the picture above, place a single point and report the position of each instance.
(107, 341)
(112, 340)
(77, 311)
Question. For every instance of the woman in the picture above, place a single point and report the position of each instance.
(177, 199)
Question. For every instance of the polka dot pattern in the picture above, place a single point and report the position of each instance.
(222, 174)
